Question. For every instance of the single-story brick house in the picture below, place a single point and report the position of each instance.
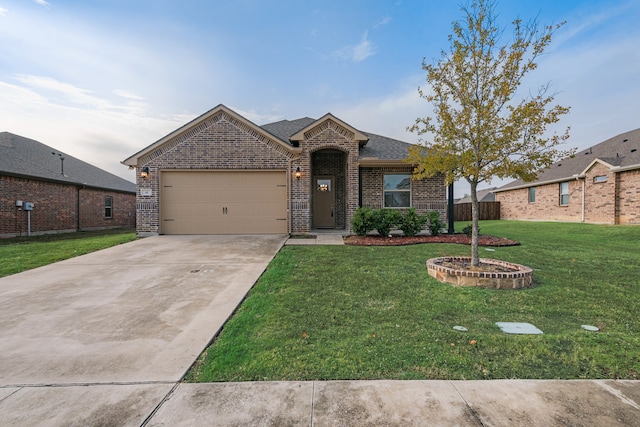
(599, 185)
(67, 193)
(223, 174)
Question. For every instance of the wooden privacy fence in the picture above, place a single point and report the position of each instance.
(486, 210)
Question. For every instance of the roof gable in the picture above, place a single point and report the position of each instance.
(622, 152)
(202, 122)
(24, 157)
(329, 121)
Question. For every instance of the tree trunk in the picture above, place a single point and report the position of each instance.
(475, 260)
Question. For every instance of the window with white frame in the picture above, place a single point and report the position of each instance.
(599, 178)
(397, 190)
(564, 193)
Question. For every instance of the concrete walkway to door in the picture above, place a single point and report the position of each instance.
(103, 338)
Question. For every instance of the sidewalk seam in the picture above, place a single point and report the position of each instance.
(159, 405)
(475, 413)
(313, 399)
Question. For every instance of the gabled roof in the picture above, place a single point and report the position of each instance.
(622, 152)
(199, 121)
(374, 149)
(485, 195)
(355, 134)
(379, 149)
(27, 158)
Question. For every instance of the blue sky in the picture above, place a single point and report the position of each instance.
(102, 79)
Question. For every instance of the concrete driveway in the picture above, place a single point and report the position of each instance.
(106, 336)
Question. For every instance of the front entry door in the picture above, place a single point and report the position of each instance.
(324, 201)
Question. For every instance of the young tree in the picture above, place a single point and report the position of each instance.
(479, 131)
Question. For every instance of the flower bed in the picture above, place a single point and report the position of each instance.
(443, 238)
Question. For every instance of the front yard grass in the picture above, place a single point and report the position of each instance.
(24, 253)
(332, 312)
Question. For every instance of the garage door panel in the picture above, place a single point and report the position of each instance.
(238, 202)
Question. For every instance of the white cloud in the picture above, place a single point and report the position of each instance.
(126, 94)
(356, 53)
(257, 118)
(95, 130)
(3, 11)
(383, 21)
(42, 2)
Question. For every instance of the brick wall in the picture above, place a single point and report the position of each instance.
(426, 194)
(515, 204)
(56, 207)
(599, 197)
(92, 209)
(221, 143)
(613, 201)
(628, 203)
(328, 135)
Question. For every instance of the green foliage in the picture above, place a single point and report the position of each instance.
(363, 221)
(468, 230)
(411, 223)
(356, 313)
(435, 223)
(481, 127)
(385, 219)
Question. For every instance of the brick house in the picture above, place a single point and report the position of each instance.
(67, 193)
(599, 185)
(222, 174)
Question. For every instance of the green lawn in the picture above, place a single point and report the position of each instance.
(330, 312)
(23, 253)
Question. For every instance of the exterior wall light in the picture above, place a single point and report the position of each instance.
(298, 174)
(144, 172)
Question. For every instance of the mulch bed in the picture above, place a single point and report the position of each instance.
(462, 239)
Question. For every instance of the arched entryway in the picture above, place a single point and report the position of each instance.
(328, 189)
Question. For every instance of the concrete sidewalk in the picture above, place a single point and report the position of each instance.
(403, 403)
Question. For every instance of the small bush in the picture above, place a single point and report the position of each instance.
(435, 223)
(385, 220)
(411, 223)
(468, 230)
(363, 221)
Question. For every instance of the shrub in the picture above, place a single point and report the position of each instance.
(385, 219)
(363, 221)
(435, 223)
(468, 230)
(411, 223)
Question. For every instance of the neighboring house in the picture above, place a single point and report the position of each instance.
(67, 194)
(598, 185)
(485, 195)
(222, 174)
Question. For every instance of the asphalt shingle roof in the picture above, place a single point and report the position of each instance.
(622, 150)
(378, 146)
(485, 195)
(20, 156)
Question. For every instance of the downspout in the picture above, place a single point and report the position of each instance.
(584, 181)
(78, 209)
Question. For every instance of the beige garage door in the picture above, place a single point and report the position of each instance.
(204, 202)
